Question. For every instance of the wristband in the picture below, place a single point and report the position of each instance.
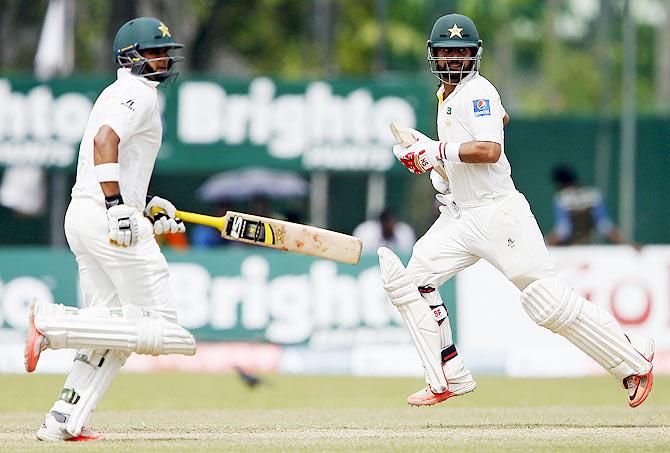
(449, 151)
(113, 200)
(107, 172)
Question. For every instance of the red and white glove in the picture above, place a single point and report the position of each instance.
(420, 157)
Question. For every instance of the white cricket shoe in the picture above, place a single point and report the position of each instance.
(459, 382)
(53, 429)
(639, 385)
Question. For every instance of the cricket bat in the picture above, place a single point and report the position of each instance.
(405, 138)
(279, 234)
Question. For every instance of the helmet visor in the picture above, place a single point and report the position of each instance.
(163, 69)
(452, 70)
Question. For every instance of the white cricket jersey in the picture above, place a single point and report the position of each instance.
(130, 107)
(473, 111)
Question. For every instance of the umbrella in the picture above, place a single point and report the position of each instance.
(250, 183)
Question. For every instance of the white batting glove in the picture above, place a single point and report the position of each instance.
(164, 221)
(419, 157)
(123, 225)
(439, 183)
(420, 137)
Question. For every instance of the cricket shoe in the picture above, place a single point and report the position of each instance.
(35, 341)
(53, 429)
(639, 385)
(459, 382)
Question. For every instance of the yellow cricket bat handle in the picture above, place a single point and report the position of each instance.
(191, 217)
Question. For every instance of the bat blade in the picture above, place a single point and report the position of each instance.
(406, 139)
(281, 235)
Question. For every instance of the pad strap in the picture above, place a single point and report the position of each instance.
(70, 396)
(449, 353)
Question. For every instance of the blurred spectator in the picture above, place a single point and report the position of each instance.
(206, 237)
(580, 213)
(386, 231)
(203, 236)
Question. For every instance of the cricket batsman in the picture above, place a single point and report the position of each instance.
(484, 216)
(110, 229)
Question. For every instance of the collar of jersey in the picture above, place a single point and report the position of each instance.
(461, 84)
(125, 72)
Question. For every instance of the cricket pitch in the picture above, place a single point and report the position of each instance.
(203, 412)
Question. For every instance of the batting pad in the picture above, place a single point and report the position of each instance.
(417, 316)
(441, 316)
(554, 305)
(133, 330)
(92, 390)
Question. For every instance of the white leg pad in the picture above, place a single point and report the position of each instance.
(91, 393)
(418, 318)
(554, 305)
(439, 310)
(133, 330)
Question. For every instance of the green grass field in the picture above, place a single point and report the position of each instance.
(203, 412)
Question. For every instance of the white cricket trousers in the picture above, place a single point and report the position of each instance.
(112, 275)
(502, 231)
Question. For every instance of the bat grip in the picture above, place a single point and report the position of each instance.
(201, 219)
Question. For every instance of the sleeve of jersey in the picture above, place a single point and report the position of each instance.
(127, 114)
(486, 112)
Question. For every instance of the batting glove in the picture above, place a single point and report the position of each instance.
(420, 136)
(164, 220)
(123, 225)
(419, 157)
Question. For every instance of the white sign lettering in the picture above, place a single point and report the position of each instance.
(324, 129)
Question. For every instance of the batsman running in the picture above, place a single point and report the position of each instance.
(484, 216)
(122, 273)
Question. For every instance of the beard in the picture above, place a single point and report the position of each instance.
(454, 71)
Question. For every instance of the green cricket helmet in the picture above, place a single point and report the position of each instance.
(140, 34)
(454, 31)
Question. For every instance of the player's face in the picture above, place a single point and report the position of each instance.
(157, 59)
(456, 57)
(452, 64)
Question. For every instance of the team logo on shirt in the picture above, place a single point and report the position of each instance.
(448, 110)
(130, 104)
(482, 107)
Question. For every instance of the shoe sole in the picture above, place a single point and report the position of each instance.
(639, 400)
(439, 397)
(650, 380)
(43, 436)
(29, 355)
(86, 438)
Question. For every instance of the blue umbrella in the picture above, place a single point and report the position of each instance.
(249, 183)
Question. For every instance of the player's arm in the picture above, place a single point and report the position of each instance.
(476, 152)
(423, 156)
(106, 159)
(480, 151)
(122, 223)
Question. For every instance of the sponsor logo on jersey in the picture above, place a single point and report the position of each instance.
(448, 110)
(482, 107)
(130, 103)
